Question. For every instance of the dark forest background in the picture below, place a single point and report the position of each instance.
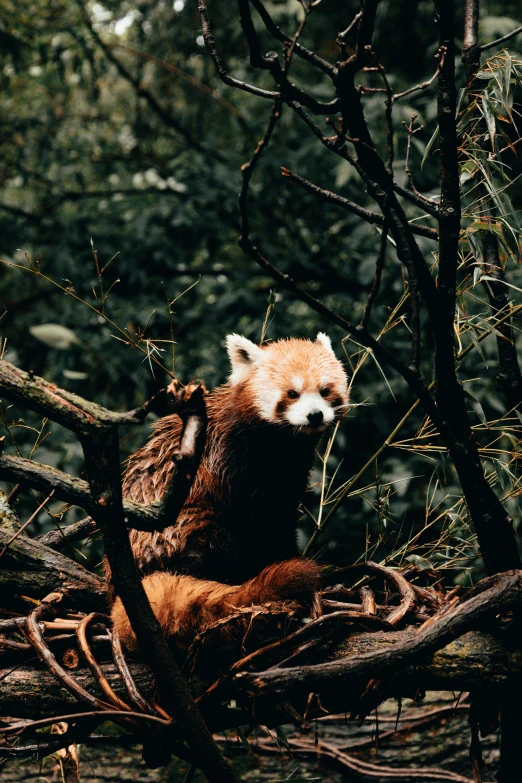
(120, 147)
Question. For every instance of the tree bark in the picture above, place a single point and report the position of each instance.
(29, 692)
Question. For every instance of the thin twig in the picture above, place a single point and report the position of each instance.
(27, 523)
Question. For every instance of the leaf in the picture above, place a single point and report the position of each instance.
(55, 336)
(498, 471)
(244, 741)
(507, 95)
(490, 119)
(420, 562)
(474, 340)
(477, 407)
(429, 145)
(281, 736)
(476, 249)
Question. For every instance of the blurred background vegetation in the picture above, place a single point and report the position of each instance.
(117, 137)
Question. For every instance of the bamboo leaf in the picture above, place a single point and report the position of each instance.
(55, 335)
(489, 116)
(429, 145)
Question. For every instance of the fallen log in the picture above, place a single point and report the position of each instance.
(474, 658)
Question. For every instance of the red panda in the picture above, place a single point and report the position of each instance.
(242, 511)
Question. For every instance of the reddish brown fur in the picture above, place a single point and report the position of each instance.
(186, 606)
(242, 510)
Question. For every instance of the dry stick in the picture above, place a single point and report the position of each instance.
(135, 696)
(220, 68)
(411, 131)
(69, 410)
(26, 524)
(502, 40)
(366, 214)
(376, 284)
(271, 63)
(63, 536)
(438, 56)
(75, 491)
(28, 568)
(493, 595)
(301, 51)
(94, 666)
(406, 591)
(104, 714)
(35, 636)
(421, 201)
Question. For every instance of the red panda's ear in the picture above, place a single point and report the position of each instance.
(325, 341)
(243, 355)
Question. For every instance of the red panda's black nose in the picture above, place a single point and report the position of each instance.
(315, 418)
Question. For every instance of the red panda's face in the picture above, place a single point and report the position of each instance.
(298, 383)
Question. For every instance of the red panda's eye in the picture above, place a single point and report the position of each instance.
(293, 394)
(325, 392)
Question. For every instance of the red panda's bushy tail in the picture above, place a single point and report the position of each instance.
(185, 606)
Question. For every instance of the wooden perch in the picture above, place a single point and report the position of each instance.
(70, 410)
(493, 595)
(31, 569)
(75, 490)
(473, 659)
(28, 568)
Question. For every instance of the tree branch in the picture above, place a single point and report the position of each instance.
(350, 206)
(301, 51)
(220, 68)
(502, 40)
(70, 410)
(501, 593)
(75, 491)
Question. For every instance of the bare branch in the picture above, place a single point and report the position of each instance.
(300, 50)
(379, 266)
(350, 206)
(502, 40)
(438, 56)
(220, 68)
(75, 413)
(72, 490)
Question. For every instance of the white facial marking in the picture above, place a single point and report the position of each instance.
(297, 383)
(297, 414)
(266, 403)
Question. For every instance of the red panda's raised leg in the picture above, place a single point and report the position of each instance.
(185, 606)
